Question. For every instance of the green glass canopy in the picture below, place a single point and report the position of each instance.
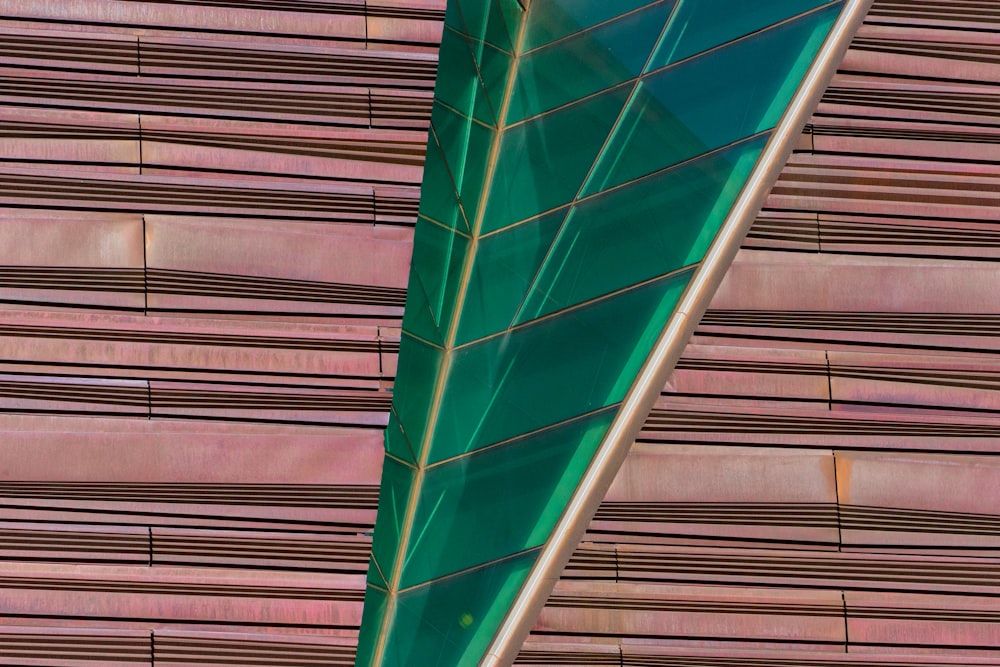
(583, 156)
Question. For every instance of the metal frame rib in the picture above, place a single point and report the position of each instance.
(673, 339)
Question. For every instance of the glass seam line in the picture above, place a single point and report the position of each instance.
(384, 627)
(659, 70)
(612, 131)
(644, 392)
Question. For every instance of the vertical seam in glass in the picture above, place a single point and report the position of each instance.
(378, 654)
(590, 172)
(644, 391)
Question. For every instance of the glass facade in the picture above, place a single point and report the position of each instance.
(583, 156)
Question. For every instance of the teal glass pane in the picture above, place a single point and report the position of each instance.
(553, 19)
(418, 317)
(374, 576)
(459, 85)
(567, 70)
(439, 256)
(418, 364)
(493, 21)
(645, 229)
(465, 145)
(499, 501)
(396, 442)
(552, 370)
(394, 492)
(543, 162)
(506, 264)
(699, 25)
(451, 621)
(443, 205)
(371, 618)
(712, 100)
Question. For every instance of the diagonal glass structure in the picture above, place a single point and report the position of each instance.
(583, 157)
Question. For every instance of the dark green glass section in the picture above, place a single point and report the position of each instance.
(451, 621)
(552, 19)
(396, 442)
(466, 153)
(699, 25)
(394, 492)
(417, 359)
(493, 21)
(371, 620)
(506, 264)
(464, 90)
(543, 161)
(443, 206)
(712, 100)
(438, 259)
(566, 71)
(552, 370)
(641, 230)
(499, 501)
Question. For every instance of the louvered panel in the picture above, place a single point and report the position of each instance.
(869, 186)
(959, 623)
(750, 377)
(72, 51)
(796, 282)
(935, 503)
(695, 614)
(208, 475)
(60, 647)
(933, 52)
(821, 428)
(84, 543)
(207, 649)
(333, 407)
(103, 142)
(969, 14)
(704, 495)
(246, 266)
(256, 549)
(141, 194)
(78, 259)
(229, 351)
(216, 58)
(775, 567)
(341, 19)
(175, 146)
(928, 382)
(131, 597)
(73, 395)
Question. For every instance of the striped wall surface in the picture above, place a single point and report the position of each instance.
(205, 232)
(818, 484)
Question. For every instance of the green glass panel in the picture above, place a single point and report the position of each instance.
(371, 618)
(699, 25)
(711, 101)
(499, 501)
(418, 317)
(396, 442)
(565, 71)
(394, 492)
(451, 621)
(442, 206)
(550, 371)
(460, 86)
(438, 259)
(641, 230)
(542, 162)
(506, 264)
(554, 19)
(418, 364)
(374, 577)
(493, 21)
(494, 68)
(465, 145)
